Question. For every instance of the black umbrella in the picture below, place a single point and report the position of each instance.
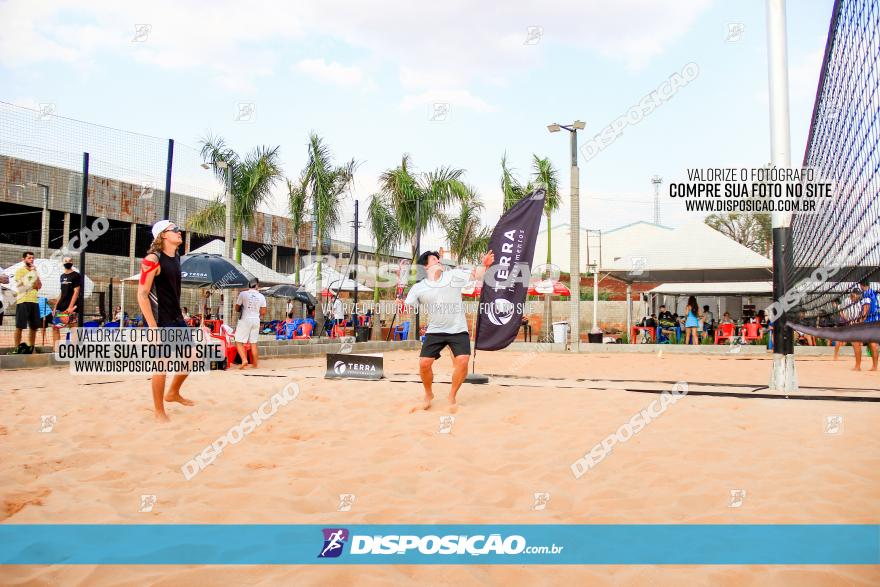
(292, 292)
(213, 270)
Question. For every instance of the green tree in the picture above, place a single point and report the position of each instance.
(252, 179)
(386, 234)
(296, 201)
(404, 189)
(467, 237)
(751, 230)
(325, 185)
(512, 189)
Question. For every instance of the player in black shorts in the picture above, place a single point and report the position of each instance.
(27, 308)
(159, 300)
(440, 295)
(69, 300)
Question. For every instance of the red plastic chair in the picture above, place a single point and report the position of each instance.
(724, 332)
(752, 331)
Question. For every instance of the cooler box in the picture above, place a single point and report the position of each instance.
(560, 332)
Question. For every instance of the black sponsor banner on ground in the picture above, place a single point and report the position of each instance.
(503, 298)
(354, 367)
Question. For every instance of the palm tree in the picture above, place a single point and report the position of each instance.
(511, 188)
(546, 176)
(386, 233)
(296, 194)
(467, 238)
(252, 180)
(325, 185)
(405, 189)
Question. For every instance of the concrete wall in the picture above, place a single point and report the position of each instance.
(612, 314)
(124, 200)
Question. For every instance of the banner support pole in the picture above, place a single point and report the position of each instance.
(473, 376)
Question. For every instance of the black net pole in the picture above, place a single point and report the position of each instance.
(780, 335)
(83, 217)
(169, 163)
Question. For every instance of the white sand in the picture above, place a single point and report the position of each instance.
(507, 443)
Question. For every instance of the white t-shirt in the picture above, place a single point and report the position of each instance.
(251, 301)
(441, 300)
(852, 311)
(338, 310)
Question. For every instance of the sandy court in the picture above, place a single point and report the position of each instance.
(510, 439)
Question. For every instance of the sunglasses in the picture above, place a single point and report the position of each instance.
(175, 229)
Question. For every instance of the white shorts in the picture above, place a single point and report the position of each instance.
(247, 330)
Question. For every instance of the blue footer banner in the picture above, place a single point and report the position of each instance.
(209, 544)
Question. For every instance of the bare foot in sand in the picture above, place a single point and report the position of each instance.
(453, 407)
(176, 397)
(425, 405)
(244, 366)
(162, 418)
(856, 369)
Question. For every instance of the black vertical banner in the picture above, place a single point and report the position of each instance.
(506, 283)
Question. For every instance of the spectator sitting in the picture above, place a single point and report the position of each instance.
(806, 339)
(708, 322)
(761, 318)
(726, 319)
(665, 318)
(282, 326)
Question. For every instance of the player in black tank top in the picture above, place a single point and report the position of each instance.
(159, 300)
(165, 293)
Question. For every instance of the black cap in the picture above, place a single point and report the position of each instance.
(423, 258)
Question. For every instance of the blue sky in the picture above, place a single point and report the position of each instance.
(366, 76)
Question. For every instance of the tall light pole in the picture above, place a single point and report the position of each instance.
(656, 180)
(575, 267)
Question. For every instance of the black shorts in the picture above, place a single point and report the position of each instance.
(434, 343)
(27, 315)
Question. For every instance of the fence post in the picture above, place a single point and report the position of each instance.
(83, 217)
(167, 209)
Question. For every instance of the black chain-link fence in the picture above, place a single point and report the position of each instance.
(41, 196)
(837, 247)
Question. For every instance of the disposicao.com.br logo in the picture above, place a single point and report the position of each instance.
(334, 540)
